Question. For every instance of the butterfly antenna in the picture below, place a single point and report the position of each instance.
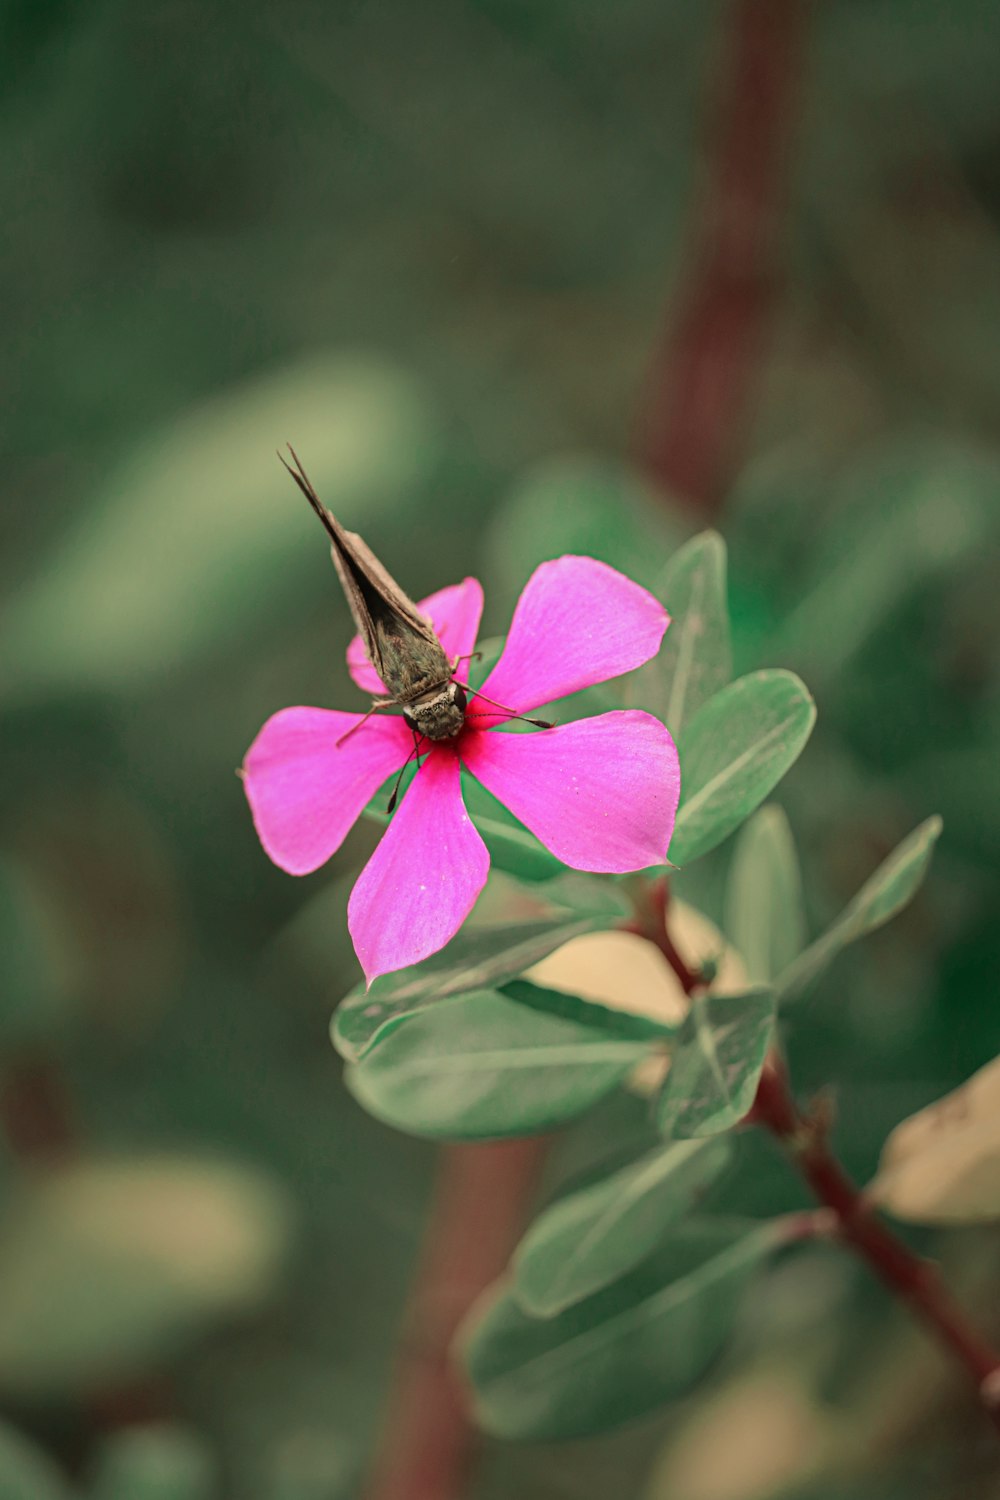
(304, 483)
(417, 742)
(475, 693)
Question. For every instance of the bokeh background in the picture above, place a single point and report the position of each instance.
(516, 279)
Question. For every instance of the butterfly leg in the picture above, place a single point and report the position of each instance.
(377, 704)
(469, 656)
(418, 740)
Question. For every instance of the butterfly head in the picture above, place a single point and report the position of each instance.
(438, 715)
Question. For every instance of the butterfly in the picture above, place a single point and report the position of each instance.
(400, 642)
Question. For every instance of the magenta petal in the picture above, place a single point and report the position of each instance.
(454, 612)
(577, 622)
(423, 879)
(305, 790)
(601, 794)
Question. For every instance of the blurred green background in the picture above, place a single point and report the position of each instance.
(515, 279)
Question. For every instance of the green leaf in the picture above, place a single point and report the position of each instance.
(734, 752)
(199, 525)
(474, 959)
(26, 1473)
(716, 1063)
(591, 1237)
(695, 660)
(478, 957)
(482, 1066)
(512, 848)
(619, 1354)
(764, 916)
(893, 884)
(160, 1461)
(626, 1024)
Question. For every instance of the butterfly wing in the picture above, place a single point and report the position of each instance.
(400, 642)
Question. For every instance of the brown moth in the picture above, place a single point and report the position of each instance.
(399, 640)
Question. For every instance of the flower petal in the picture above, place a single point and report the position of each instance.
(577, 622)
(305, 791)
(601, 794)
(454, 612)
(423, 879)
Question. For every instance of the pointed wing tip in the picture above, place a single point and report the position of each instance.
(297, 471)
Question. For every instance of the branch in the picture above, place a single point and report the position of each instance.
(651, 900)
(908, 1276)
(703, 379)
(480, 1201)
(36, 1113)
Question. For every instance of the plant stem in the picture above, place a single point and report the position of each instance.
(651, 900)
(908, 1276)
(428, 1444)
(705, 377)
(36, 1114)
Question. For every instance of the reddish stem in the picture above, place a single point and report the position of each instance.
(703, 379)
(36, 1113)
(909, 1277)
(651, 901)
(475, 1219)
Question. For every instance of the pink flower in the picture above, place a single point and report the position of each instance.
(600, 793)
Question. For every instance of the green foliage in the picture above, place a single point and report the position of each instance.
(33, 991)
(161, 1462)
(26, 1473)
(484, 1066)
(695, 660)
(620, 1353)
(512, 848)
(914, 511)
(433, 310)
(894, 883)
(591, 1237)
(716, 1063)
(173, 558)
(478, 957)
(764, 916)
(615, 1300)
(609, 1019)
(579, 504)
(733, 753)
